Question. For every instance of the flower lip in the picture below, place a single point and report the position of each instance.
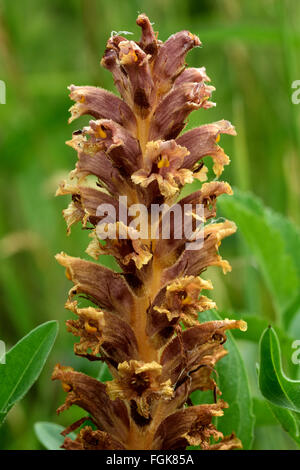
(140, 382)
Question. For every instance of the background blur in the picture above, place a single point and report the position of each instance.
(251, 52)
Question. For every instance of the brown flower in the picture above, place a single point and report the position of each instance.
(134, 147)
(182, 300)
(102, 332)
(162, 162)
(191, 426)
(90, 394)
(140, 382)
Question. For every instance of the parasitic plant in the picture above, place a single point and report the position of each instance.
(144, 320)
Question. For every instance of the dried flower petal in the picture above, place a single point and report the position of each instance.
(191, 426)
(88, 439)
(170, 59)
(118, 144)
(202, 141)
(169, 117)
(187, 352)
(90, 394)
(101, 331)
(195, 262)
(148, 40)
(101, 104)
(105, 287)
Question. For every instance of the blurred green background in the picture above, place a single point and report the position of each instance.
(251, 52)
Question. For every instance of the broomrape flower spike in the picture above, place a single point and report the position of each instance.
(134, 148)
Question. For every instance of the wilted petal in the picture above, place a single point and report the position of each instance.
(202, 141)
(123, 149)
(194, 262)
(136, 63)
(90, 395)
(169, 117)
(201, 378)
(182, 300)
(111, 62)
(102, 330)
(101, 104)
(207, 196)
(148, 41)
(191, 74)
(191, 426)
(100, 166)
(179, 301)
(127, 250)
(197, 343)
(93, 160)
(85, 202)
(228, 443)
(169, 248)
(105, 287)
(88, 439)
(170, 59)
(73, 214)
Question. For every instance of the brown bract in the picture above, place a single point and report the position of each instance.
(144, 321)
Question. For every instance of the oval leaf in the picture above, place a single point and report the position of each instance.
(49, 434)
(273, 383)
(288, 420)
(24, 363)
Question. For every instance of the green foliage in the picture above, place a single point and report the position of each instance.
(275, 244)
(289, 421)
(282, 393)
(49, 434)
(233, 382)
(24, 363)
(274, 385)
(263, 413)
(104, 373)
(268, 242)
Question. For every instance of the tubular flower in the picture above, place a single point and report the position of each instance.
(134, 149)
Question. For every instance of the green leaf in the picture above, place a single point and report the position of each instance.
(256, 326)
(104, 373)
(2, 417)
(233, 383)
(267, 241)
(289, 421)
(24, 363)
(273, 383)
(290, 234)
(49, 434)
(263, 413)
